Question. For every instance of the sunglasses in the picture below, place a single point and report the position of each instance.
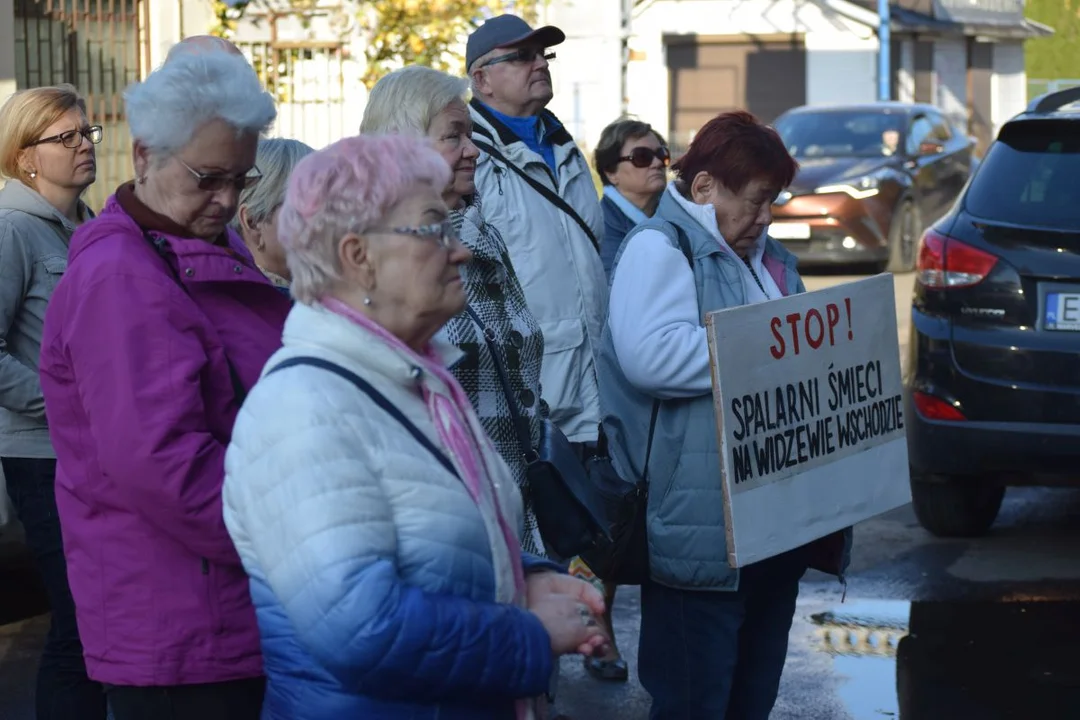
(443, 233)
(521, 56)
(214, 182)
(72, 139)
(642, 157)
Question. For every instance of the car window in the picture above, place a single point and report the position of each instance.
(841, 133)
(921, 129)
(1028, 176)
(941, 131)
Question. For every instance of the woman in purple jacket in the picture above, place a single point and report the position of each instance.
(160, 324)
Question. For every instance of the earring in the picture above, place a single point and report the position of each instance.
(367, 301)
(33, 174)
(141, 180)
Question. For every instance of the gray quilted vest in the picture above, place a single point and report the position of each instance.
(687, 548)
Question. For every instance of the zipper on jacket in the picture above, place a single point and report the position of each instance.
(498, 175)
(205, 566)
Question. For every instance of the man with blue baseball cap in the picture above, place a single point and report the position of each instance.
(539, 193)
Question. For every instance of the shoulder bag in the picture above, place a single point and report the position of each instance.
(567, 504)
(624, 559)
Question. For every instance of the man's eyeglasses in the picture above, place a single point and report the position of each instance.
(213, 182)
(642, 157)
(443, 233)
(525, 56)
(72, 139)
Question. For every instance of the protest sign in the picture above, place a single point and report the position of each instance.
(810, 415)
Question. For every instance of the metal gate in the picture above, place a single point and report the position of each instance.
(100, 47)
(316, 83)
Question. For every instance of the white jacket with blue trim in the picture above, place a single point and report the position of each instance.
(371, 568)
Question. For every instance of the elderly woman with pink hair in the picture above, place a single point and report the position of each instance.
(379, 527)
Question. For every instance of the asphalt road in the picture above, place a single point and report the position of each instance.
(930, 629)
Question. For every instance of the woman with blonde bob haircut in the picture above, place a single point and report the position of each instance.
(256, 220)
(379, 526)
(156, 332)
(427, 103)
(47, 157)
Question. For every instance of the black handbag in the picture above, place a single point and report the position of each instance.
(568, 507)
(623, 557)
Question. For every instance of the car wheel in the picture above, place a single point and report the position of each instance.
(903, 237)
(955, 507)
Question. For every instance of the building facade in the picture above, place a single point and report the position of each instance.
(687, 60)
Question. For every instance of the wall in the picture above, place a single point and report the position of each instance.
(1009, 83)
(950, 67)
(905, 77)
(837, 47)
(585, 73)
(7, 50)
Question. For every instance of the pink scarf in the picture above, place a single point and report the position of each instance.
(451, 414)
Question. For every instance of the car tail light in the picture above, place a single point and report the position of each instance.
(946, 263)
(934, 408)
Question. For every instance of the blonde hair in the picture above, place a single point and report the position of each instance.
(407, 100)
(25, 116)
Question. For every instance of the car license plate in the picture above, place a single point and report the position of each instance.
(790, 231)
(1063, 311)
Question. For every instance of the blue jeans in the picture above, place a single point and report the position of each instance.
(719, 655)
(63, 690)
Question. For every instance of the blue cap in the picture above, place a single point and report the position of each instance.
(507, 31)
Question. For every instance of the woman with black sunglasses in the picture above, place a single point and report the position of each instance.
(632, 161)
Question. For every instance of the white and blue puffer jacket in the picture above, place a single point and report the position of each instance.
(371, 569)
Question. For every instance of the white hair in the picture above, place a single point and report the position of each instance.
(407, 100)
(276, 159)
(478, 66)
(191, 89)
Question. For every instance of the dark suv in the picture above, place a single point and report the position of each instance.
(993, 385)
(871, 178)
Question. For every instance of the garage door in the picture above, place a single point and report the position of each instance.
(709, 75)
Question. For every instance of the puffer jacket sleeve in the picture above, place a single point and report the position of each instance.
(139, 382)
(304, 500)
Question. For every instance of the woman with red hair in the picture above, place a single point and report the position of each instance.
(713, 639)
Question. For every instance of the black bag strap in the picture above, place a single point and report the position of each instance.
(159, 246)
(539, 187)
(521, 425)
(380, 400)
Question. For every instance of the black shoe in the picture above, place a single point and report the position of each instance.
(608, 670)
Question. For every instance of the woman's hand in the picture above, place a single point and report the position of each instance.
(568, 606)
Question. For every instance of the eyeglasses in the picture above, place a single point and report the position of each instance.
(521, 56)
(444, 233)
(213, 182)
(642, 157)
(72, 139)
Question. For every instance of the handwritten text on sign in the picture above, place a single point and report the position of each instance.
(805, 386)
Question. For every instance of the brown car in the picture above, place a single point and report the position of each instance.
(871, 178)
